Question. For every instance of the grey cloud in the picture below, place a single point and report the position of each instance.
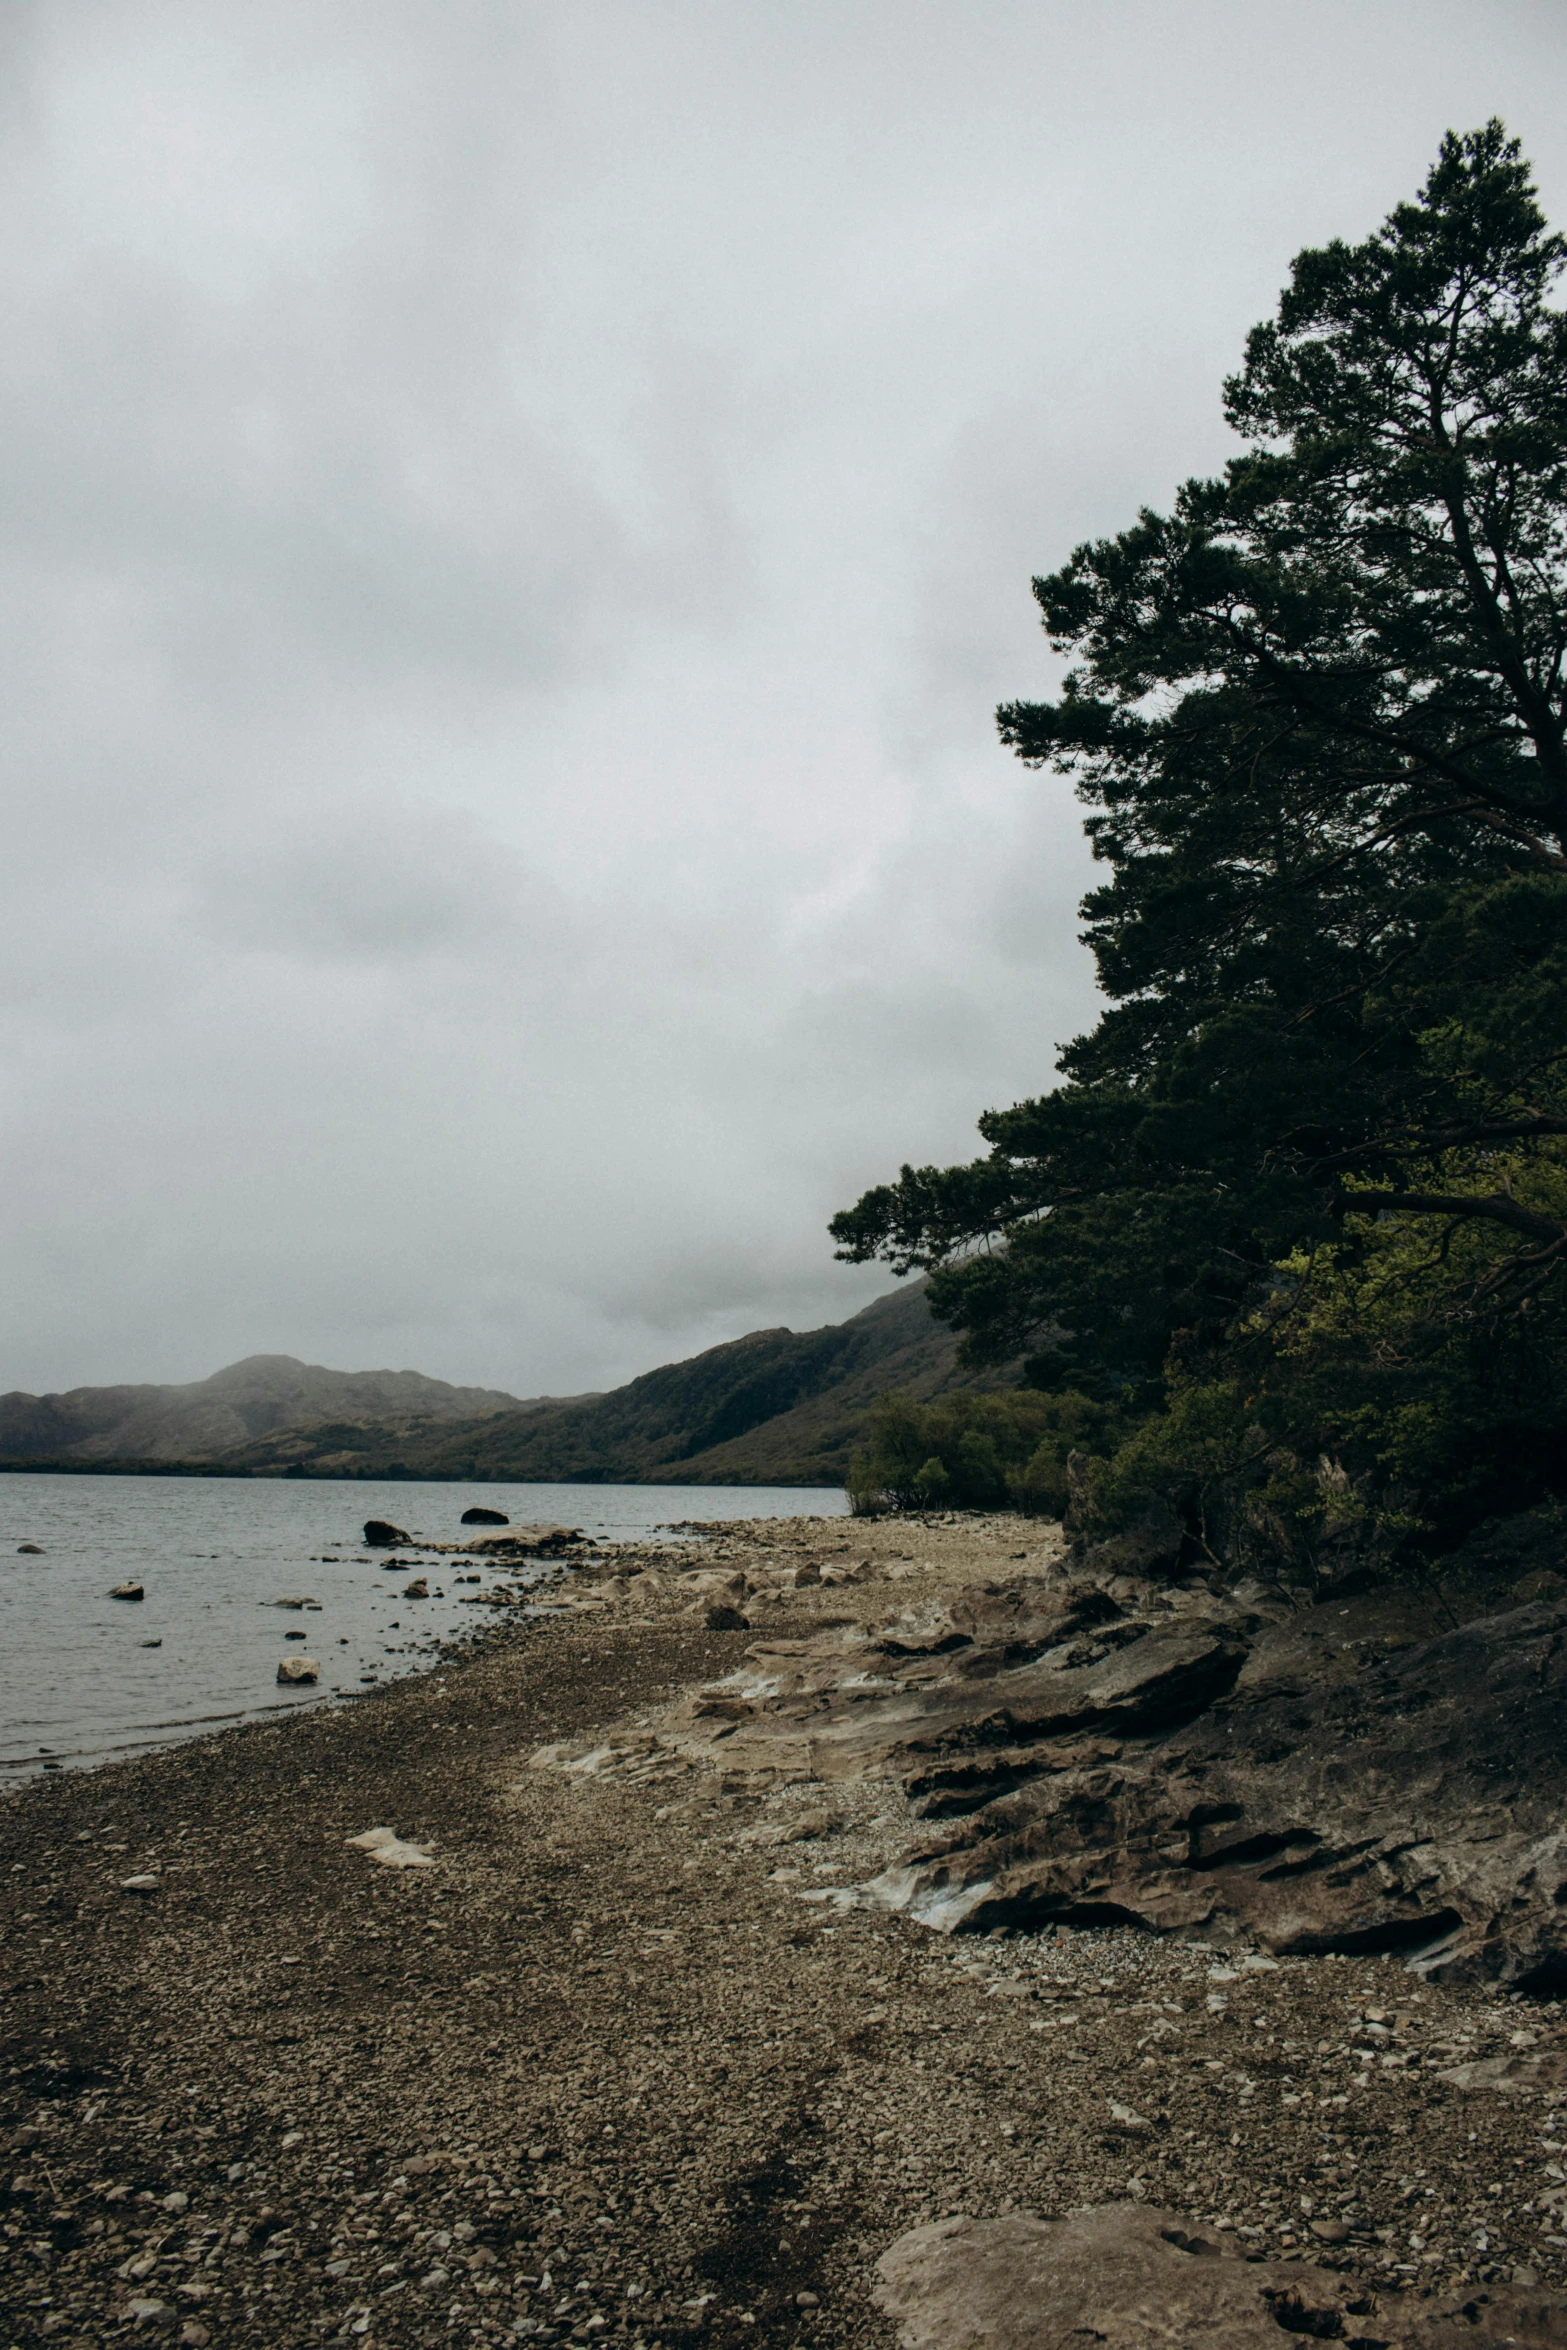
(515, 524)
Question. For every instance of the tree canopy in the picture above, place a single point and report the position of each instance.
(1312, 1155)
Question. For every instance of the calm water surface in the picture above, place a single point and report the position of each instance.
(79, 1682)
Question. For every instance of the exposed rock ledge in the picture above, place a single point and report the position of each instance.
(1131, 2278)
(1118, 1751)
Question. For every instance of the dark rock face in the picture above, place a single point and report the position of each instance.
(1123, 1751)
(1153, 1546)
(1131, 2278)
(380, 1536)
(1412, 1803)
(477, 1517)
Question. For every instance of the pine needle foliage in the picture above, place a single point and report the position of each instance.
(1314, 1154)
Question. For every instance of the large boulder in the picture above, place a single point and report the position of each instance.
(1127, 2277)
(379, 1535)
(478, 1517)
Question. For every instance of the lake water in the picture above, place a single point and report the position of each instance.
(80, 1680)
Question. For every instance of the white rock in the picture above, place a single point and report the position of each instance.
(143, 1884)
(386, 1846)
(1126, 2117)
(301, 1669)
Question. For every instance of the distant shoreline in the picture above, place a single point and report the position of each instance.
(392, 1476)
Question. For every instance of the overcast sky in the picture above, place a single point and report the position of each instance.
(516, 520)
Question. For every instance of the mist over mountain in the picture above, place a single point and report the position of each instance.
(208, 1418)
(777, 1407)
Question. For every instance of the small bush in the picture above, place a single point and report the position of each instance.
(1001, 1451)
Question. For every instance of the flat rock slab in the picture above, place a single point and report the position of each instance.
(1126, 2277)
(1178, 1759)
(1412, 1804)
(391, 1850)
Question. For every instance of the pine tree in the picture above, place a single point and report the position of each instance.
(1318, 715)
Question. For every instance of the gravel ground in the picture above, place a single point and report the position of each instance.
(601, 2071)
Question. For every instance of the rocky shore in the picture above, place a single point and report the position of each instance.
(640, 2024)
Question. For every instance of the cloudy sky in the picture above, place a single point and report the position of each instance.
(516, 518)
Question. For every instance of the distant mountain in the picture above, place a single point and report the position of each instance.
(779, 1407)
(776, 1408)
(210, 1418)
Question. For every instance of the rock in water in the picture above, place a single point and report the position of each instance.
(127, 1591)
(297, 1669)
(381, 1536)
(485, 1518)
(1126, 2277)
(417, 1589)
(29, 1550)
(530, 1541)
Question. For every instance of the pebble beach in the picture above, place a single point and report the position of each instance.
(606, 2060)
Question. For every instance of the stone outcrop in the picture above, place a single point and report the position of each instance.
(1113, 1750)
(380, 1535)
(481, 1517)
(1412, 1802)
(1124, 2276)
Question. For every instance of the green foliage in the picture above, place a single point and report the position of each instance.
(1309, 1160)
(1376, 1351)
(1001, 1451)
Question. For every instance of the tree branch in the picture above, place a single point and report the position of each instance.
(1493, 1207)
